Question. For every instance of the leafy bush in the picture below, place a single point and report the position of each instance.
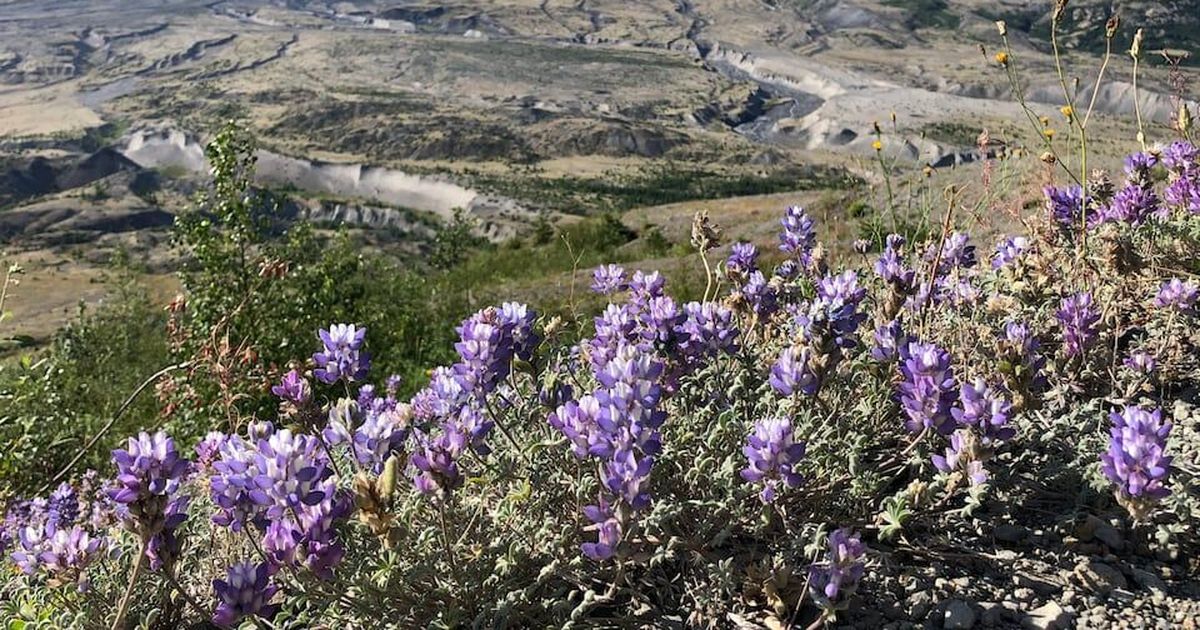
(51, 406)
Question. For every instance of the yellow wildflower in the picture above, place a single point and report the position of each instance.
(877, 145)
(1002, 58)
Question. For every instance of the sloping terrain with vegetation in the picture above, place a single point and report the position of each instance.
(600, 315)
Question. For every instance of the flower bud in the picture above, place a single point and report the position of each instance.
(387, 481)
(1135, 50)
(1002, 27)
(1110, 27)
(1060, 6)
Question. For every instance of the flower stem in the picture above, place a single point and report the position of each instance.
(186, 596)
(123, 606)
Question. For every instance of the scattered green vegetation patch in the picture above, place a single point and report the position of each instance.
(927, 13)
(669, 183)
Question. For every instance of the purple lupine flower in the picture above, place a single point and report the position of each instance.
(1078, 318)
(628, 396)
(489, 341)
(1177, 294)
(919, 298)
(577, 421)
(246, 592)
(342, 357)
(956, 252)
(472, 422)
(927, 389)
(798, 236)
(1065, 205)
(949, 462)
(613, 326)
(644, 286)
(959, 291)
(1180, 156)
(68, 551)
(1132, 205)
(791, 373)
(149, 473)
(707, 329)
(1141, 362)
(148, 466)
(444, 394)
(787, 269)
(435, 460)
(958, 455)
(1136, 461)
(260, 430)
(554, 394)
(862, 246)
(209, 449)
(292, 467)
(743, 259)
(772, 456)
(485, 352)
(657, 321)
(623, 476)
(294, 388)
(890, 266)
(608, 279)
(1184, 191)
(1025, 357)
(1138, 165)
(759, 294)
(62, 509)
(1009, 250)
(234, 485)
(986, 409)
(366, 396)
(164, 547)
(306, 537)
(834, 581)
(608, 531)
(838, 298)
(618, 424)
(30, 543)
(889, 338)
(517, 320)
(381, 434)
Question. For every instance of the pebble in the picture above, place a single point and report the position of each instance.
(1099, 577)
(1010, 533)
(1110, 536)
(918, 604)
(993, 613)
(1148, 581)
(1042, 587)
(1125, 597)
(1051, 616)
(958, 616)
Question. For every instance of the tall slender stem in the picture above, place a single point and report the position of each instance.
(123, 606)
(1137, 106)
